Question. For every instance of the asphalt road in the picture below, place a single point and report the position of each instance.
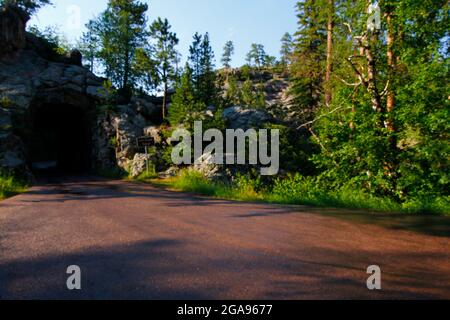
(133, 241)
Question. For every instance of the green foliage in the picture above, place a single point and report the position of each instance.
(253, 97)
(121, 31)
(300, 190)
(164, 51)
(196, 89)
(257, 56)
(146, 70)
(148, 175)
(233, 92)
(109, 93)
(296, 151)
(10, 185)
(399, 155)
(29, 6)
(228, 52)
(307, 69)
(55, 41)
(5, 102)
(201, 62)
(185, 109)
(113, 142)
(206, 83)
(287, 48)
(88, 45)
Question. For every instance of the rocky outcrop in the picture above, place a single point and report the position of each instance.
(246, 118)
(33, 76)
(140, 163)
(275, 85)
(26, 74)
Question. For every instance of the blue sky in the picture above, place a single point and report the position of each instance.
(242, 21)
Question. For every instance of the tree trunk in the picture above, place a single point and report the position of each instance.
(126, 70)
(391, 60)
(164, 107)
(371, 77)
(330, 29)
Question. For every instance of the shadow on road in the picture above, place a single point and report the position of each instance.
(93, 188)
(166, 269)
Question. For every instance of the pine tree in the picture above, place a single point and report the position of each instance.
(207, 85)
(88, 45)
(121, 30)
(145, 68)
(29, 6)
(307, 70)
(270, 61)
(287, 46)
(165, 55)
(256, 56)
(228, 52)
(184, 108)
(195, 54)
(201, 62)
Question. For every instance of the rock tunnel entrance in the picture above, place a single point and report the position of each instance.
(59, 139)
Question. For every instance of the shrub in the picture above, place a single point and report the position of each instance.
(9, 185)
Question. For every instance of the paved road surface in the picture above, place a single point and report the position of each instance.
(135, 241)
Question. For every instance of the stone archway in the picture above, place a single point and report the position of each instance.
(59, 139)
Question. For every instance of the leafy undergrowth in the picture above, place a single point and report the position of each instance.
(10, 186)
(300, 191)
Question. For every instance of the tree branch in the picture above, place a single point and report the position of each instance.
(322, 116)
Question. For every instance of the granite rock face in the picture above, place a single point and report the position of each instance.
(246, 118)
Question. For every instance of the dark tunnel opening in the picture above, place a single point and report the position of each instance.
(60, 140)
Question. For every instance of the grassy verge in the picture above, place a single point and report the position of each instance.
(300, 193)
(9, 186)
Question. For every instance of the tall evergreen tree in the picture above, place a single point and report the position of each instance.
(228, 52)
(184, 106)
(121, 29)
(29, 6)
(207, 85)
(256, 56)
(201, 62)
(195, 54)
(307, 70)
(88, 45)
(165, 54)
(287, 46)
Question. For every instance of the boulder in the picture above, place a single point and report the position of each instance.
(206, 166)
(139, 164)
(169, 173)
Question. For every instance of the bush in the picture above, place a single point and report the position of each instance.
(10, 186)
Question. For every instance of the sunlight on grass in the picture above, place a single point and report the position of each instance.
(300, 193)
(9, 186)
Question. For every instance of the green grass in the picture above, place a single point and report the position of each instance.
(145, 176)
(300, 192)
(9, 186)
